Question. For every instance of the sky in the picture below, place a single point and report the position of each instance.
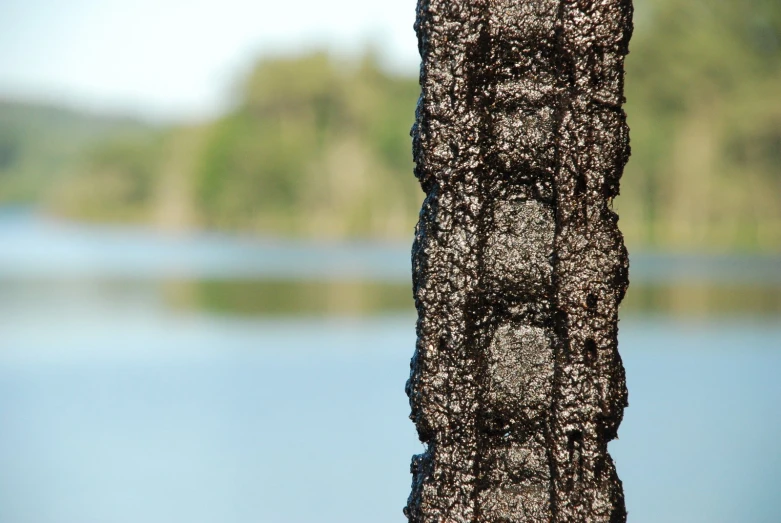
(170, 60)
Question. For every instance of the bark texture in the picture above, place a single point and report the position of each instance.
(516, 384)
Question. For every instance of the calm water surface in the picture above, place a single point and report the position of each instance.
(132, 390)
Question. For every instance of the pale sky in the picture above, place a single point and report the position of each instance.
(178, 59)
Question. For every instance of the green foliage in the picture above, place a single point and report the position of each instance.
(320, 148)
(118, 180)
(42, 145)
(703, 84)
(315, 148)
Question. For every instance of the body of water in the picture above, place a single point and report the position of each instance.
(212, 378)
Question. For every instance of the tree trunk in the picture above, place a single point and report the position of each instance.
(516, 384)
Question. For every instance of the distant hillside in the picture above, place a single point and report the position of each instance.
(41, 144)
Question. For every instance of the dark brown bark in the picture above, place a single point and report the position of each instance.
(516, 384)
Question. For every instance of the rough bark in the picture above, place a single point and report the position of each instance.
(516, 384)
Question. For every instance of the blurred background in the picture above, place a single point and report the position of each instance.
(206, 212)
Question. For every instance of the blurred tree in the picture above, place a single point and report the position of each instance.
(117, 182)
(41, 145)
(316, 148)
(702, 88)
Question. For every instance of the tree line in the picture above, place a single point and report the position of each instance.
(319, 147)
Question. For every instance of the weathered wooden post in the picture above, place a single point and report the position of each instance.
(516, 385)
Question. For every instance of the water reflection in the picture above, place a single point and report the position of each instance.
(362, 298)
(702, 299)
(289, 297)
(260, 299)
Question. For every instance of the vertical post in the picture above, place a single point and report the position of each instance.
(516, 384)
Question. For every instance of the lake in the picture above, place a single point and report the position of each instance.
(218, 378)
